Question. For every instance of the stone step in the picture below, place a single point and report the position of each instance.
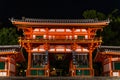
(59, 78)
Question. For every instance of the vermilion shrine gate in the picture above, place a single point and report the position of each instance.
(58, 47)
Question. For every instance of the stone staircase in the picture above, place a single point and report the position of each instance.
(59, 78)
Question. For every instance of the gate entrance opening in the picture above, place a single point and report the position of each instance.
(59, 64)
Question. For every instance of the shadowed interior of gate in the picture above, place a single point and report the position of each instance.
(59, 64)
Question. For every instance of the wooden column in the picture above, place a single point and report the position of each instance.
(6, 65)
(90, 62)
(29, 59)
(46, 33)
(8, 70)
(73, 31)
(110, 61)
(90, 59)
(29, 63)
(31, 33)
(88, 33)
(71, 67)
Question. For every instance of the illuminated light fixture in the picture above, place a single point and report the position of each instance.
(25, 70)
(47, 71)
(53, 68)
(72, 70)
(21, 71)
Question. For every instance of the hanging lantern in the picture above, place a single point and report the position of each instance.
(59, 56)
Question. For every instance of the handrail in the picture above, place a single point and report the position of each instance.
(61, 40)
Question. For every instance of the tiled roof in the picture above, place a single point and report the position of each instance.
(9, 46)
(59, 20)
(109, 48)
(12, 49)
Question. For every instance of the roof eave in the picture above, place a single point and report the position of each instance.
(33, 24)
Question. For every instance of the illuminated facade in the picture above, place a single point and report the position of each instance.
(9, 55)
(110, 58)
(53, 40)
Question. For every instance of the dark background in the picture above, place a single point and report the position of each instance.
(54, 8)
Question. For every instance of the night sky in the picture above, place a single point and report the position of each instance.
(54, 8)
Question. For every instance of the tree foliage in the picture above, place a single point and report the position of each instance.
(90, 14)
(8, 36)
(111, 33)
(93, 14)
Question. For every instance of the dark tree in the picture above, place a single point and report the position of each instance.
(93, 14)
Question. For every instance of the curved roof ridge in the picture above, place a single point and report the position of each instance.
(60, 20)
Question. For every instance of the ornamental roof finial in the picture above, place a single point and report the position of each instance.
(23, 17)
